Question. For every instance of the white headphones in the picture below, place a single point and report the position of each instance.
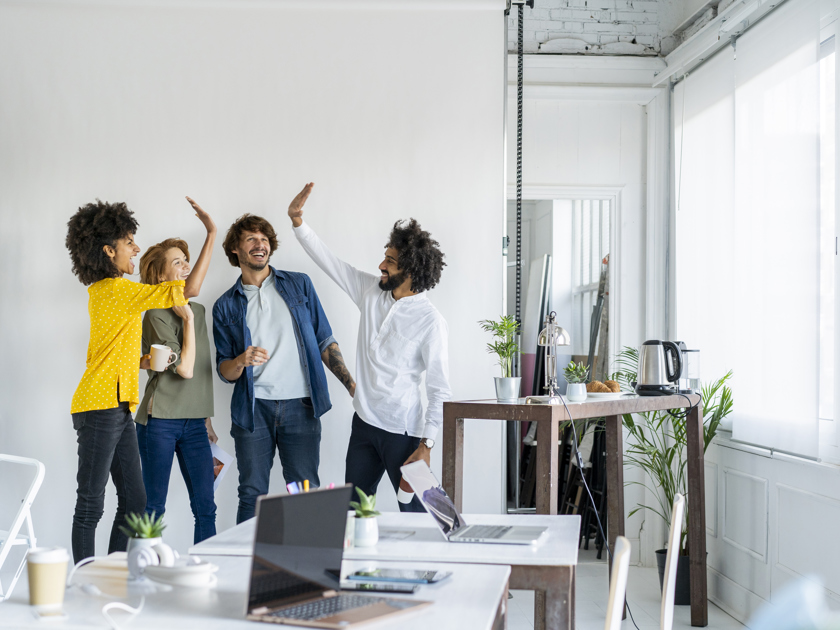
(141, 557)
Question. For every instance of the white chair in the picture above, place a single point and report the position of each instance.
(13, 537)
(618, 583)
(666, 613)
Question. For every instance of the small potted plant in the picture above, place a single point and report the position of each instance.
(144, 533)
(505, 347)
(367, 528)
(576, 376)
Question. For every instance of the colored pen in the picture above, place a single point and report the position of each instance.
(292, 488)
(331, 486)
(306, 485)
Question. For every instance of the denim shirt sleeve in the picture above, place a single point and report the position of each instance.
(224, 342)
(320, 323)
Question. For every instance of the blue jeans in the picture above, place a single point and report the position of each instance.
(291, 427)
(159, 441)
(107, 446)
(372, 452)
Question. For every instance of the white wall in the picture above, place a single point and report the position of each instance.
(239, 106)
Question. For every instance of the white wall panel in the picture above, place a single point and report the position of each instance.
(238, 106)
(745, 512)
(796, 510)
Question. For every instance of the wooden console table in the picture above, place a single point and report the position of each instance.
(548, 419)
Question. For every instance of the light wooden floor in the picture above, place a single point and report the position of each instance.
(592, 588)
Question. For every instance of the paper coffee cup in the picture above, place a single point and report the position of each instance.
(47, 569)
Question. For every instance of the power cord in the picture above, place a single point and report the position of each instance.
(579, 461)
(92, 589)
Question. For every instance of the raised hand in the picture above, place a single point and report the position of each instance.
(203, 217)
(296, 207)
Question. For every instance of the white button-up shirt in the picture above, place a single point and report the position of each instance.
(398, 341)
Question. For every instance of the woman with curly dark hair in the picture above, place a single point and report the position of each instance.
(100, 238)
(401, 335)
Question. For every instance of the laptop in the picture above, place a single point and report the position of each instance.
(296, 565)
(451, 523)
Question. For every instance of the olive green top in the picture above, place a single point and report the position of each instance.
(167, 394)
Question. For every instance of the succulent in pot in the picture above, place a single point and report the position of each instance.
(367, 527)
(576, 375)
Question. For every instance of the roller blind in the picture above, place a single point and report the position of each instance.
(748, 225)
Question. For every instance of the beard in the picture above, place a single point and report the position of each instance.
(392, 282)
(244, 262)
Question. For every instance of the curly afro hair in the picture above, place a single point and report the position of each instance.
(247, 223)
(94, 226)
(419, 254)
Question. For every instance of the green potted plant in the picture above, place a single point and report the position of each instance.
(576, 375)
(657, 444)
(505, 347)
(145, 543)
(367, 528)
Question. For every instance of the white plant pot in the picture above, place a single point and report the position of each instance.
(367, 532)
(576, 392)
(507, 388)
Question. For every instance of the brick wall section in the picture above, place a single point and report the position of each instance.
(597, 22)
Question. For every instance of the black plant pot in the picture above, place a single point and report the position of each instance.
(682, 589)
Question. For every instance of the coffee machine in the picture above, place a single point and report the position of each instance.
(660, 367)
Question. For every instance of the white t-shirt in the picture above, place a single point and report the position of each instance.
(270, 322)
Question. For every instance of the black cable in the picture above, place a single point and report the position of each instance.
(519, 106)
(592, 499)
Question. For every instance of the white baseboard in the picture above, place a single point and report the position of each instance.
(735, 600)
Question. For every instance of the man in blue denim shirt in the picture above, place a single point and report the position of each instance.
(271, 335)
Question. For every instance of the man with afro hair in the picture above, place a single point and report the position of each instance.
(401, 335)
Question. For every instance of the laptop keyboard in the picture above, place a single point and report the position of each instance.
(485, 531)
(327, 607)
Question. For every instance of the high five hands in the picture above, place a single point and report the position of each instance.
(296, 207)
(203, 216)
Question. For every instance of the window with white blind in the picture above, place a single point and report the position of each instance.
(590, 245)
(828, 114)
(748, 224)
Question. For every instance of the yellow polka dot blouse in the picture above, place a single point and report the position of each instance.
(113, 356)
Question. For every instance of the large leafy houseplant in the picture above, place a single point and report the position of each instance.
(504, 343)
(658, 442)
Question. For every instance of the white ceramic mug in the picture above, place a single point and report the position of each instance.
(162, 357)
(47, 569)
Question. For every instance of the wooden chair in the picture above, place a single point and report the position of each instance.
(618, 583)
(12, 537)
(666, 613)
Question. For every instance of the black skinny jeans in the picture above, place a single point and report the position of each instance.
(107, 445)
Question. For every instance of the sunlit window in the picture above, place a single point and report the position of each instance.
(591, 229)
(827, 232)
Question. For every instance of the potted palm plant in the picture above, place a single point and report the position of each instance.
(505, 347)
(367, 528)
(657, 444)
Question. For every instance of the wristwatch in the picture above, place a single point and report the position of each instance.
(428, 443)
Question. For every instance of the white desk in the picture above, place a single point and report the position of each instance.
(548, 568)
(474, 597)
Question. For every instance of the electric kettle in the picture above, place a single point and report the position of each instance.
(657, 375)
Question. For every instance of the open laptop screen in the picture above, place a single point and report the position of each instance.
(298, 545)
(433, 497)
